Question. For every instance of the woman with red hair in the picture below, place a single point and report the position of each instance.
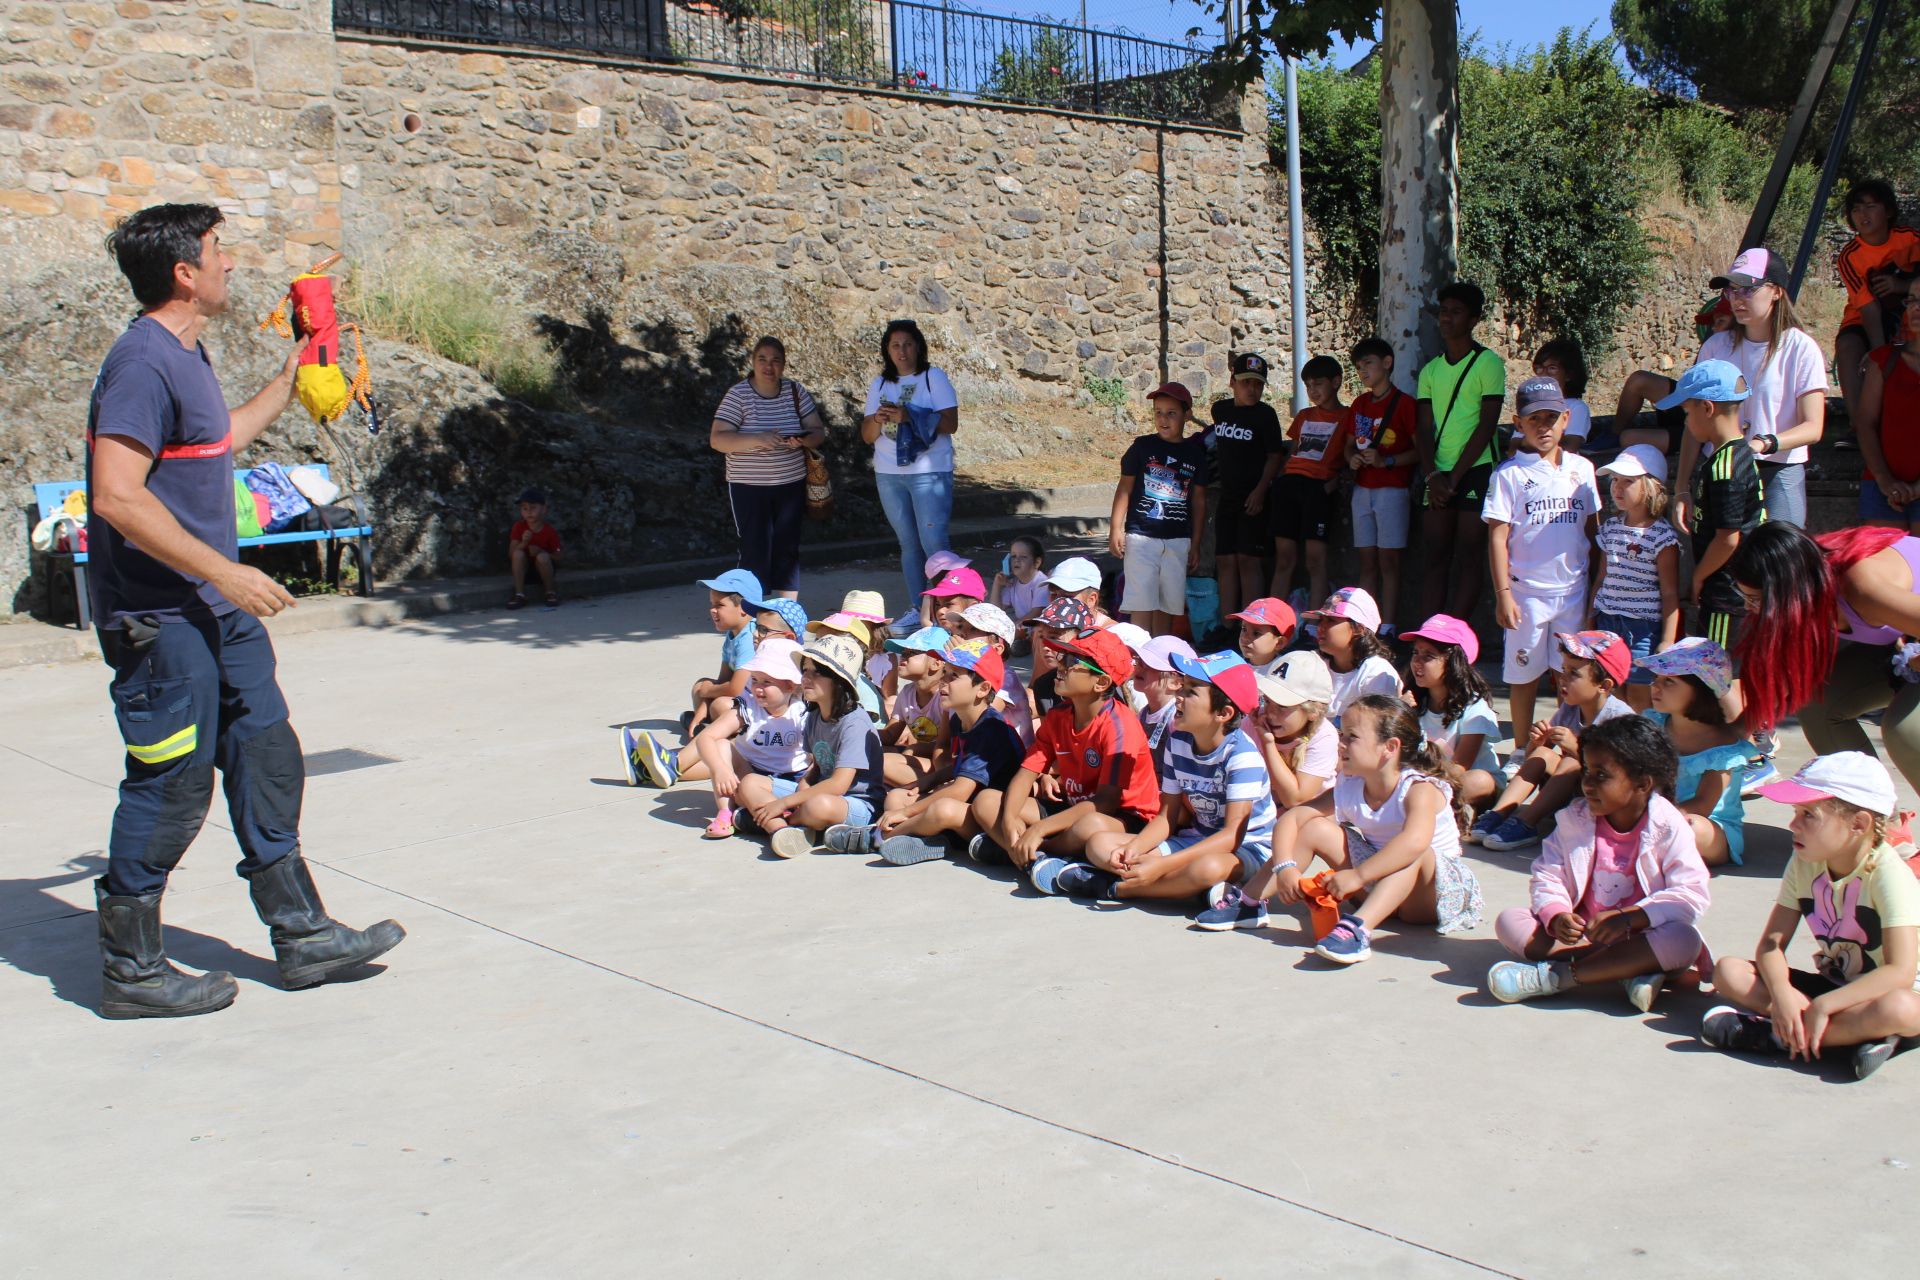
(1808, 595)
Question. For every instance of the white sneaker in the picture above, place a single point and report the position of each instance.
(791, 842)
(1512, 981)
(1644, 990)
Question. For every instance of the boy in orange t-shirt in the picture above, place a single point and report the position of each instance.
(1875, 267)
(1303, 505)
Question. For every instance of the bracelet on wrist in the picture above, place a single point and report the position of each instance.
(1288, 865)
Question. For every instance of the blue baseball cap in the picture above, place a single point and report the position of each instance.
(790, 612)
(739, 581)
(1227, 672)
(925, 640)
(1715, 380)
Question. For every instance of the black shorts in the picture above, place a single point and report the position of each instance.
(1811, 984)
(1235, 533)
(1302, 509)
(1722, 626)
(1471, 494)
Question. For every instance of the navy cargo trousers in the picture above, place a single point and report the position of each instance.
(191, 696)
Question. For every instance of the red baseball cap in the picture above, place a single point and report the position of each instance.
(1268, 611)
(1603, 647)
(1103, 649)
(1173, 391)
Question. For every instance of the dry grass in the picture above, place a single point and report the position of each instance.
(417, 296)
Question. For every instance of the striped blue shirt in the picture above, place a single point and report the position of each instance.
(1233, 771)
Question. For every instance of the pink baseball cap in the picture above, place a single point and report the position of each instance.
(1603, 647)
(958, 582)
(1268, 612)
(1444, 628)
(1160, 652)
(776, 657)
(1352, 604)
(945, 562)
(1852, 776)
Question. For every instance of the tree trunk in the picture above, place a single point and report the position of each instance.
(1419, 174)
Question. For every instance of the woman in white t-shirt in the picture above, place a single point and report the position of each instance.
(911, 416)
(1786, 374)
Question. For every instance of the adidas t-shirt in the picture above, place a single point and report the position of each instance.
(1548, 508)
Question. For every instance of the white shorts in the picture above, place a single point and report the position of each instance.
(1156, 571)
(1531, 651)
(1381, 517)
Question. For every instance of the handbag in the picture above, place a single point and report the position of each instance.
(819, 477)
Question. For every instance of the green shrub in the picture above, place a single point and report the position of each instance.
(1108, 392)
(418, 297)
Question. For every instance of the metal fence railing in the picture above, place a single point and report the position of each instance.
(906, 45)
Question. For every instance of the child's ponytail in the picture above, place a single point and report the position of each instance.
(1395, 719)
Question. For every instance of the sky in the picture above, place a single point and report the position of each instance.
(1522, 23)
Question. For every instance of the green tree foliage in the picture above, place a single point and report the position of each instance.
(1043, 72)
(1551, 181)
(1549, 189)
(1752, 60)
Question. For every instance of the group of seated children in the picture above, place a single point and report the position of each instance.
(1134, 768)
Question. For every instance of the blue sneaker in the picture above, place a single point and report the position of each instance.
(1045, 872)
(904, 851)
(630, 756)
(1514, 833)
(1757, 775)
(842, 838)
(1084, 880)
(985, 852)
(1347, 943)
(662, 767)
(1485, 825)
(1234, 911)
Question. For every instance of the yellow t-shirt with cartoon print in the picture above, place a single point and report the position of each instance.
(1849, 917)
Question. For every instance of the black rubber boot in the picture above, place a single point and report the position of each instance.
(135, 979)
(309, 944)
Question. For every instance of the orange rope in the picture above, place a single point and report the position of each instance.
(362, 383)
(277, 319)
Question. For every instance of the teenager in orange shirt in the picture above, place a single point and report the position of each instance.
(1303, 507)
(1875, 267)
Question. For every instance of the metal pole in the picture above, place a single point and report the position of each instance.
(1836, 148)
(1296, 242)
(1843, 11)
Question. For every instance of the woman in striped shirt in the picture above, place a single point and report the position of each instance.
(763, 425)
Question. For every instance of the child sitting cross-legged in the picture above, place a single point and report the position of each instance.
(1392, 844)
(979, 751)
(761, 733)
(1215, 825)
(862, 633)
(727, 598)
(912, 737)
(1593, 664)
(1159, 685)
(989, 622)
(1690, 680)
(1294, 730)
(779, 617)
(1863, 907)
(1618, 889)
(1454, 702)
(843, 784)
(1064, 618)
(1094, 751)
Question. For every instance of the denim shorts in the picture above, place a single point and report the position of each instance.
(1252, 856)
(859, 812)
(1639, 634)
(1874, 505)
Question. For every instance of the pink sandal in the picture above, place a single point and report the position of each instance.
(721, 827)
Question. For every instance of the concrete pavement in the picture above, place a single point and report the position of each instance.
(611, 1048)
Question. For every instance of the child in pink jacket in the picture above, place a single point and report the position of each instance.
(1619, 887)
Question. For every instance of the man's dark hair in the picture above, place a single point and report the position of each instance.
(1371, 347)
(150, 243)
(1322, 367)
(1467, 294)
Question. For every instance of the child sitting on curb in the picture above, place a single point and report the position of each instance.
(1618, 889)
(1215, 825)
(533, 542)
(1862, 905)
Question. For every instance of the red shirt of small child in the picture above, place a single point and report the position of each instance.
(545, 538)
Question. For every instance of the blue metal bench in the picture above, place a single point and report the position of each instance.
(51, 497)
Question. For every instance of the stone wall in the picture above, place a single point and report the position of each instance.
(1033, 241)
(108, 107)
